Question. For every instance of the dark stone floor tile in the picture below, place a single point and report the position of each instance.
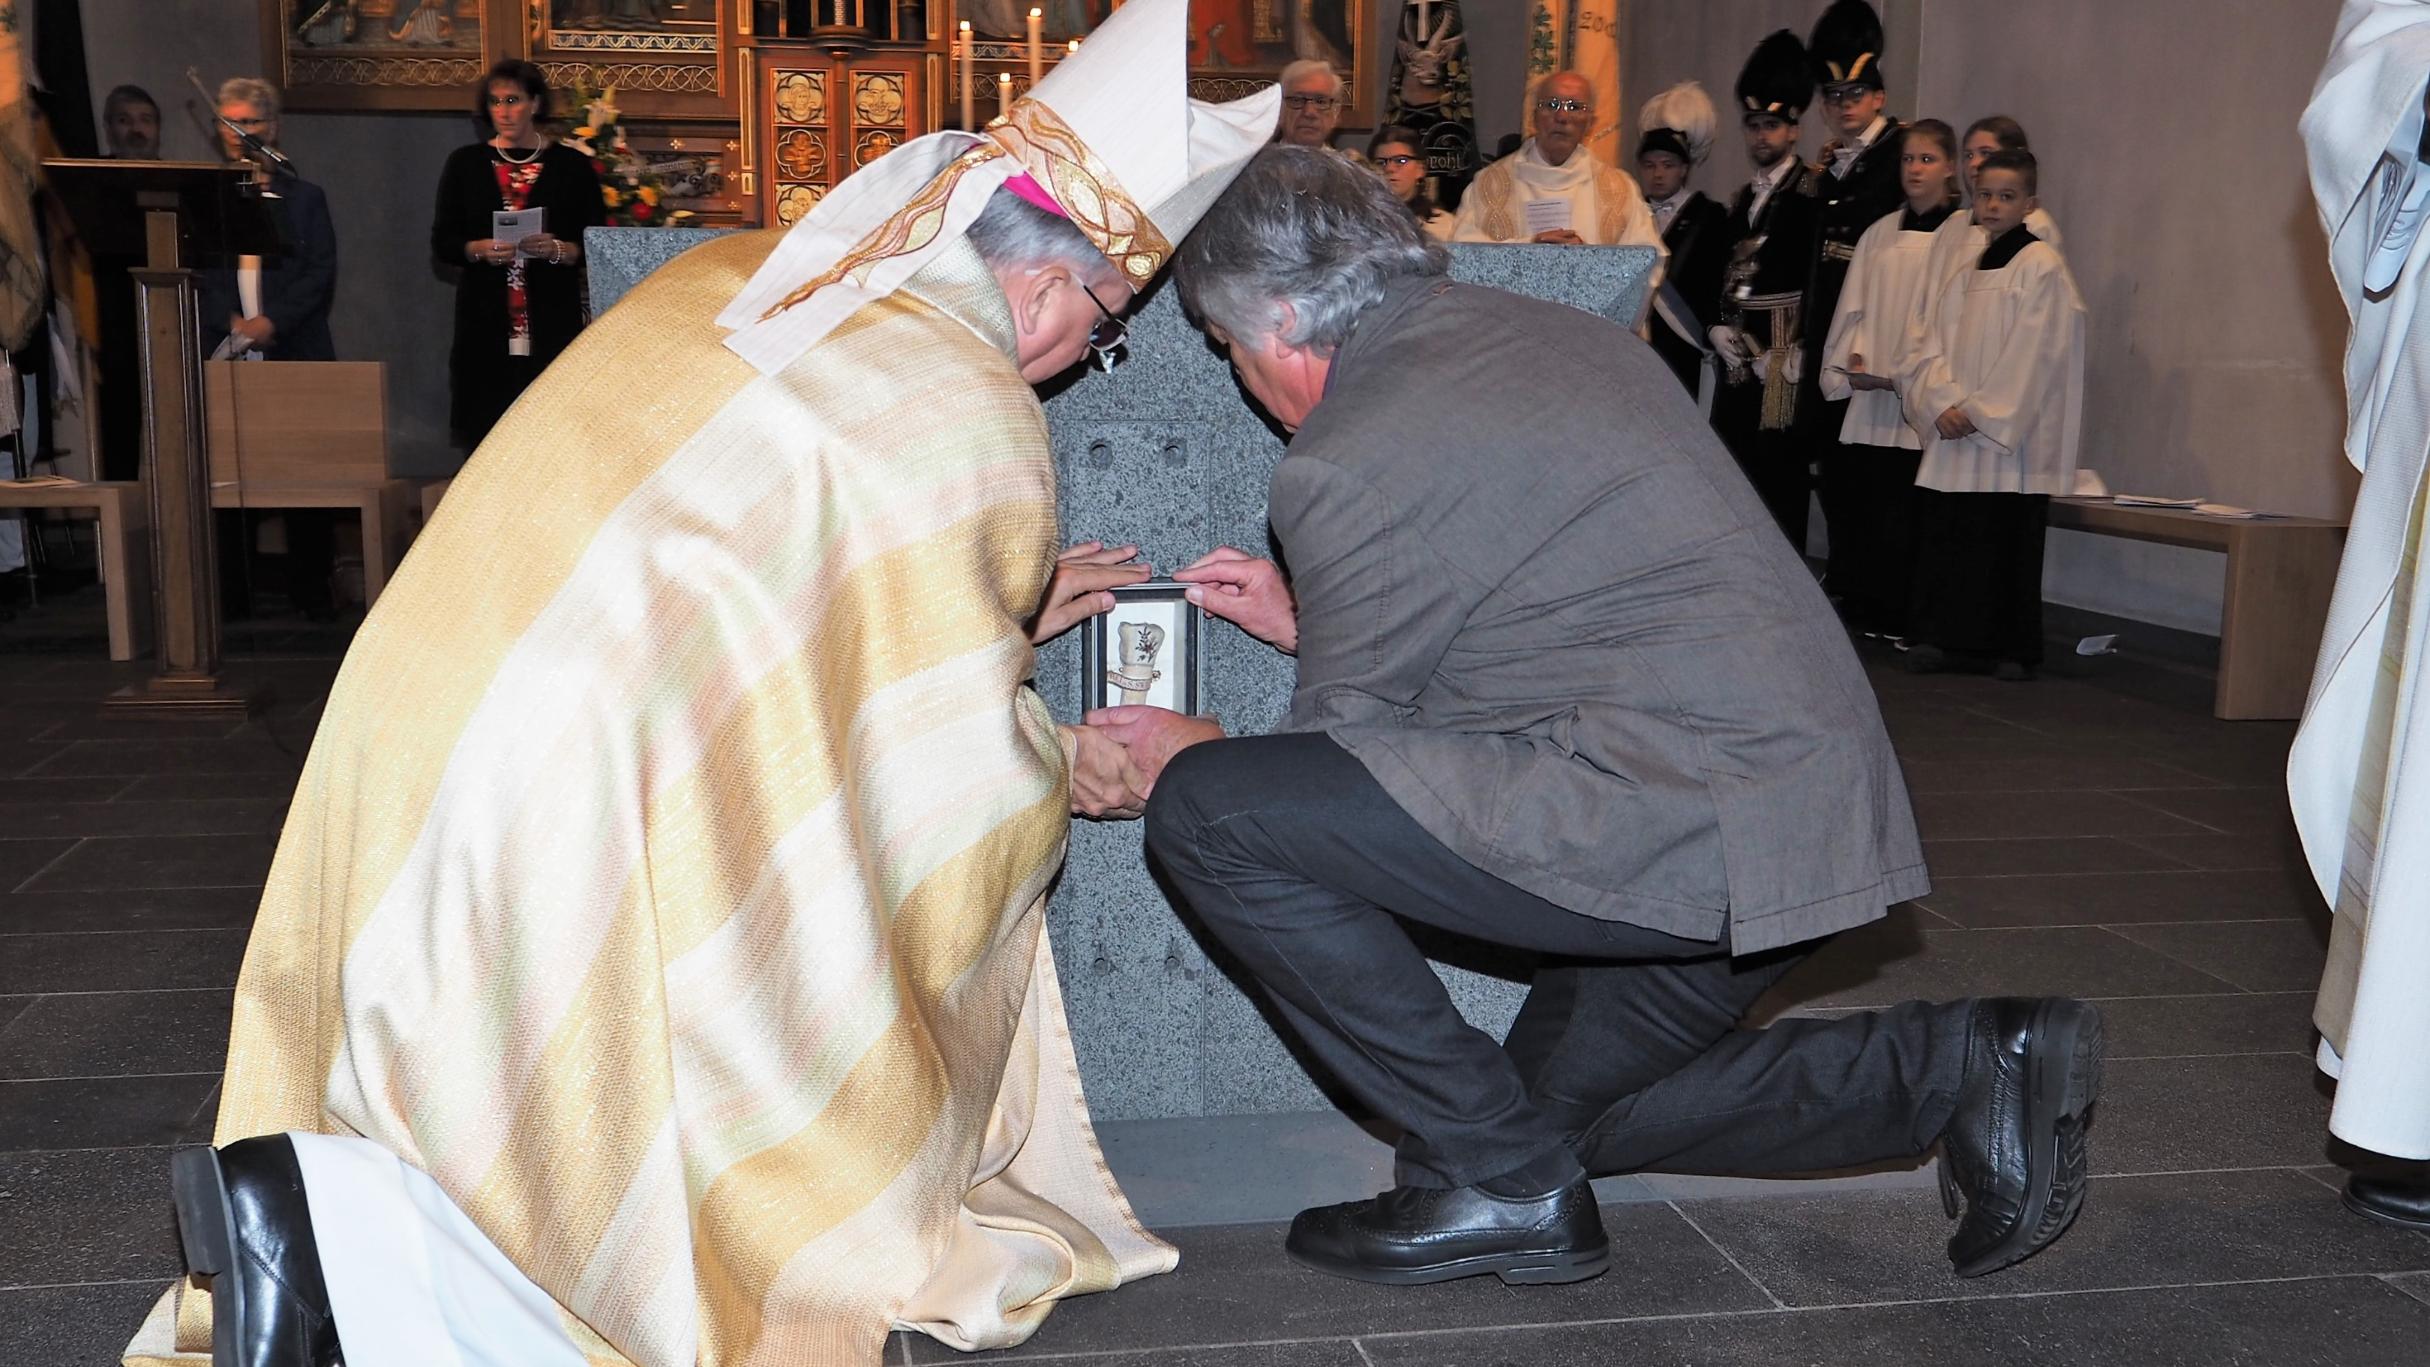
(25, 913)
(2231, 811)
(205, 1124)
(161, 861)
(2065, 854)
(237, 816)
(2090, 772)
(2249, 853)
(120, 963)
(244, 755)
(89, 788)
(20, 757)
(13, 1007)
(2331, 1322)
(2244, 755)
(2040, 815)
(90, 1216)
(99, 1113)
(2258, 956)
(2181, 1027)
(84, 724)
(278, 785)
(1236, 1283)
(2065, 899)
(1858, 969)
(2414, 1284)
(2134, 1231)
(73, 1326)
(108, 1034)
(2198, 1114)
(22, 859)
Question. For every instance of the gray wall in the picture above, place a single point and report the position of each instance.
(380, 171)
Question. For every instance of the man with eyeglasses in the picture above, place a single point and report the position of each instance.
(1312, 104)
(1549, 190)
(1856, 184)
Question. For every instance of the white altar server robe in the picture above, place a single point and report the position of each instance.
(2361, 800)
(1884, 281)
(2011, 345)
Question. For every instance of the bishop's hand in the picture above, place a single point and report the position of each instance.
(1081, 587)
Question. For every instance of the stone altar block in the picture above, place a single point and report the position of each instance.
(1166, 452)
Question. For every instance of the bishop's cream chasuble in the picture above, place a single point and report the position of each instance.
(667, 878)
(2360, 793)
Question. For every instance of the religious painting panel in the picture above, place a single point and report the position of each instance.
(377, 54)
(663, 58)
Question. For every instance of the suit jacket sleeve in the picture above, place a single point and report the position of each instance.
(1376, 608)
(300, 290)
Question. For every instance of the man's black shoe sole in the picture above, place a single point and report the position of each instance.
(1515, 1269)
(207, 1228)
(2385, 1217)
(2067, 1056)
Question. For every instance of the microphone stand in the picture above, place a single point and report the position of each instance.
(260, 151)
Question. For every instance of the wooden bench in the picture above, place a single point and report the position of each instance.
(311, 434)
(126, 551)
(2280, 571)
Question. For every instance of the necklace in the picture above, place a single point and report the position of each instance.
(513, 160)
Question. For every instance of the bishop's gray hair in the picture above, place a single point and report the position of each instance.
(1013, 234)
(1308, 228)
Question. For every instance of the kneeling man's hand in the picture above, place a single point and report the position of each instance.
(1248, 591)
(1152, 735)
(1105, 783)
(1078, 590)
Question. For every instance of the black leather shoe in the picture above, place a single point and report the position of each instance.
(2402, 1200)
(2015, 1145)
(1413, 1235)
(242, 1218)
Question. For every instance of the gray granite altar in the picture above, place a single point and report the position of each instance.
(1167, 453)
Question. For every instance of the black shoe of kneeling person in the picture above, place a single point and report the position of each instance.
(242, 1218)
(1412, 1235)
(2399, 1199)
(2015, 1146)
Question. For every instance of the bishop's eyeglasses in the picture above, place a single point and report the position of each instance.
(1109, 337)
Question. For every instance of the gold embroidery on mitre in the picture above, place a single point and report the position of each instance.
(906, 230)
(1081, 182)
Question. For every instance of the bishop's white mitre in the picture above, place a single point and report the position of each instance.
(1111, 135)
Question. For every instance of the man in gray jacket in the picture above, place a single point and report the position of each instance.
(1563, 687)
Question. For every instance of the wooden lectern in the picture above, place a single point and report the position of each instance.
(172, 213)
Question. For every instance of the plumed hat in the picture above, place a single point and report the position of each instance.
(1110, 138)
(1775, 79)
(1678, 121)
(1847, 45)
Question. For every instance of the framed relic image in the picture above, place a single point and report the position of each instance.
(1150, 650)
(1236, 46)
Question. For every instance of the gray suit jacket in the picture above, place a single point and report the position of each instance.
(1542, 606)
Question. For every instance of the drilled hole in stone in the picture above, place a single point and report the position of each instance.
(1101, 965)
(1101, 454)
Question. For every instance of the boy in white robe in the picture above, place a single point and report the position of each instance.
(1960, 241)
(1873, 554)
(2005, 411)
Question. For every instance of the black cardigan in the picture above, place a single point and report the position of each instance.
(468, 194)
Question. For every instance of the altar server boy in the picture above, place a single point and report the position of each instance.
(2000, 418)
(1872, 544)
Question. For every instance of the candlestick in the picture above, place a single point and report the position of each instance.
(1003, 92)
(1037, 49)
(969, 119)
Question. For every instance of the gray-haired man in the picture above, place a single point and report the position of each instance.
(1313, 96)
(1562, 686)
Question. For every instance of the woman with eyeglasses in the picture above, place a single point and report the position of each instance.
(518, 303)
(1399, 158)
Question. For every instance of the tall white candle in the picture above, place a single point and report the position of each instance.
(969, 119)
(1003, 92)
(1037, 47)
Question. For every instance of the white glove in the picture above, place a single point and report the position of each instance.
(1729, 343)
(1762, 365)
(1793, 369)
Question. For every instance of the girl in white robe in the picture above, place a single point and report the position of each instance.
(1872, 541)
(2006, 411)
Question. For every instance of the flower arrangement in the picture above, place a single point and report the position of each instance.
(631, 187)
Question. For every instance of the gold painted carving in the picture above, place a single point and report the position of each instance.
(878, 99)
(801, 96)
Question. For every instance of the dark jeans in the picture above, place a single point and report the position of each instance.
(1627, 1052)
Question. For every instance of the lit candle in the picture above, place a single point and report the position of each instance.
(1073, 48)
(1003, 92)
(1037, 48)
(969, 120)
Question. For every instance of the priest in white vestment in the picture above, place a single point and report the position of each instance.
(1551, 189)
(2363, 812)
